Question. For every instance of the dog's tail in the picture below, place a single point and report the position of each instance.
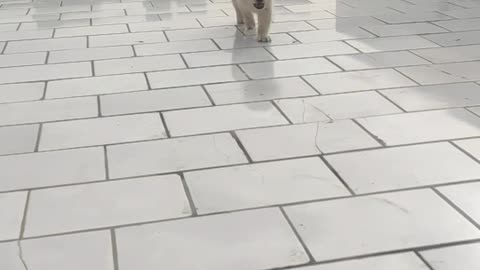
(259, 4)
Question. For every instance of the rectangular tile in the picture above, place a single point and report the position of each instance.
(18, 139)
(287, 68)
(138, 64)
(24, 59)
(451, 54)
(462, 13)
(44, 72)
(472, 146)
(421, 16)
(30, 18)
(415, 166)
(378, 60)
(400, 261)
(90, 54)
(38, 25)
(345, 23)
(384, 222)
(71, 166)
(391, 44)
(465, 197)
(47, 110)
(126, 19)
(191, 15)
(46, 45)
(217, 21)
(90, 250)
(423, 126)
(164, 25)
(63, 9)
(204, 33)
(203, 243)
(8, 27)
(91, 30)
(262, 184)
(285, 27)
(222, 118)
(21, 92)
(172, 155)
(258, 90)
(313, 7)
(175, 47)
(460, 25)
(21, 35)
(336, 107)
(302, 16)
(101, 131)
(251, 41)
(358, 81)
(311, 50)
(404, 29)
(441, 74)
(224, 57)
(12, 206)
(435, 97)
(126, 39)
(461, 256)
(87, 14)
(331, 35)
(456, 38)
(90, 86)
(150, 101)
(185, 77)
(111, 204)
(112, 6)
(304, 140)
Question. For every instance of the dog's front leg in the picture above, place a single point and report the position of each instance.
(264, 21)
(238, 11)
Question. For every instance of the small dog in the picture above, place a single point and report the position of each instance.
(246, 9)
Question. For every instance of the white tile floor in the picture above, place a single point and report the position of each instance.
(157, 134)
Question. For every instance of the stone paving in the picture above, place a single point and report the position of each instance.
(146, 135)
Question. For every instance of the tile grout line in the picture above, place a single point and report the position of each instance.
(24, 218)
(391, 101)
(464, 151)
(188, 195)
(337, 175)
(241, 146)
(375, 137)
(39, 136)
(165, 127)
(106, 165)
(417, 253)
(456, 208)
(113, 238)
(311, 259)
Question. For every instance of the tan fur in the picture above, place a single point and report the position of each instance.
(245, 15)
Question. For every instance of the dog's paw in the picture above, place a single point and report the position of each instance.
(264, 39)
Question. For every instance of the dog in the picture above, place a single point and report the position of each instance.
(246, 9)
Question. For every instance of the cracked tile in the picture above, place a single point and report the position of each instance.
(385, 222)
(203, 243)
(122, 202)
(404, 167)
(304, 140)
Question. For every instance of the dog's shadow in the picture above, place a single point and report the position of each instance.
(260, 87)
